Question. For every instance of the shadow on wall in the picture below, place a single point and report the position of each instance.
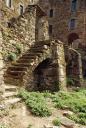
(45, 76)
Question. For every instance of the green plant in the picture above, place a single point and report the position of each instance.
(74, 101)
(78, 119)
(36, 103)
(11, 56)
(19, 49)
(3, 126)
(29, 126)
(56, 83)
(70, 82)
(56, 122)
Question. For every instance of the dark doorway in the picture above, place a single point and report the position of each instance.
(72, 37)
(45, 76)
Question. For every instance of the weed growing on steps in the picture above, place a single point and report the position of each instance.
(36, 103)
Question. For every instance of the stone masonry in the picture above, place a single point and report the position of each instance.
(1, 68)
(40, 61)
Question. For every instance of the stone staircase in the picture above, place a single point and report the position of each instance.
(9, 95)
(16, 73)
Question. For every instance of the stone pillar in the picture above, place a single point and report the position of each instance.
(43, 29)
(80, 74)
(59, 57)
(76, 61)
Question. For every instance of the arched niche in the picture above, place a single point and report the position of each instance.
(72, 37)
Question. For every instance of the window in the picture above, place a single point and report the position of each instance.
(9, 3)
(21, 9)
(51, 13)
(74, 5)
(50, 29)
(72, 24)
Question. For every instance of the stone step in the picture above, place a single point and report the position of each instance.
(10, 88)
(12, 80)
(12, 76)
(43, 43)
(22, 64)
(27, 57)
(37, 51)
(17, 68)
(12, 101)
(9, 94)
(32, 54)
(25, 60)
(16, 73)
(38, 47)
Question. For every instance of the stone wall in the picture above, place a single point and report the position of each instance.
(59, 58)
(42, 27)
(21, 32)
(48, 71)
(60, 21)
(1, 68)
(74, 67)
(62, 15)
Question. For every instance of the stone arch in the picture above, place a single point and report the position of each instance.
(45, 76)
(72, 37)
(53, 64)
(48, 54)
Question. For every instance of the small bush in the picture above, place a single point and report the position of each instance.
(70, 82)
(36, 103)
(30, 126)
(19, 49)
(11, 56)
(56, 122)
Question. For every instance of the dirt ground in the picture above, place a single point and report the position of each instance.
(20, 117)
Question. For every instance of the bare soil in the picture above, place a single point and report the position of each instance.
(20, 117)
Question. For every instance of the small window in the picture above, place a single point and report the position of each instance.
(9, 3)
(72, 24)
(74, 5)
(21, 9)
(51, 13)
(50, 29)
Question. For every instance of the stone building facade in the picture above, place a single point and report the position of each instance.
(67, 19)
(27, 26)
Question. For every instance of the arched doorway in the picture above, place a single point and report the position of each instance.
(45, 76)
(72, 37)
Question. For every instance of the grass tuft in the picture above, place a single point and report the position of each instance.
(36, 103)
